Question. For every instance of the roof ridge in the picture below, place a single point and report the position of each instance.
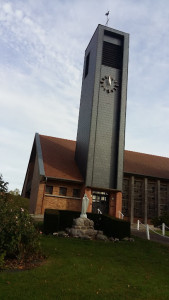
(146, 153)
(57, 138)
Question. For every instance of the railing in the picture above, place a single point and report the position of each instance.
(121, 216)
(148, 229)
(99, 211)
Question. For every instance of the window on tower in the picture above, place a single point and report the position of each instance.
(87, 65)
(112, 55)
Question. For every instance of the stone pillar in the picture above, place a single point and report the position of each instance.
(132, 199)
(145, 199)
(118, 203)
(158, 197)
(88, 192)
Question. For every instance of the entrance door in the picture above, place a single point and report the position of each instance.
(100, 202)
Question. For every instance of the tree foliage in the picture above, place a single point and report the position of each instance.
(3, 185)
(15, 192)
(164, 218)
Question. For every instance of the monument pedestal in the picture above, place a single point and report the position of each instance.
(83, 227)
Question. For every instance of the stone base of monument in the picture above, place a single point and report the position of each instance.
(84, 228)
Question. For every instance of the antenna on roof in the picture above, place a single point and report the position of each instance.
(107, 14)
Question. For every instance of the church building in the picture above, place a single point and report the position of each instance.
(117, 182)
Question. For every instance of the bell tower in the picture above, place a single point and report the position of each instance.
(102, 115)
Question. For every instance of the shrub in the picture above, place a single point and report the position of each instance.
(66, 218)
(18, 236)
(162, 219)
(111, 226)
(39, 225)
(56, 220)
(51, 221)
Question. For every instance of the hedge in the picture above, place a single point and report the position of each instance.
(57, 220)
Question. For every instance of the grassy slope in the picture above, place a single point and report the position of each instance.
(79, 269)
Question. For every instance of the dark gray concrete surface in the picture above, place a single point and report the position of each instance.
(153, 236)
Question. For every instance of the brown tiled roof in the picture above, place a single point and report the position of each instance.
(58, 158)
(146, 164)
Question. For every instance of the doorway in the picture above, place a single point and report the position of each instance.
(100, 202)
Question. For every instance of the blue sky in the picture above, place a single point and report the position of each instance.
(42, 46)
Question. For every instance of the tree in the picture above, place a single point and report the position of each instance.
(3, 185)
(15, 192)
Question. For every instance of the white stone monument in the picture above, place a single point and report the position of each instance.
(85, 203)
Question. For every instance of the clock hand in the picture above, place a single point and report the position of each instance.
(109, 80)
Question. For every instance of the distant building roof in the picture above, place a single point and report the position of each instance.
(146, 164)
(58, 159)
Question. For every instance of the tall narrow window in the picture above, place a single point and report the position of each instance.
(87, 64)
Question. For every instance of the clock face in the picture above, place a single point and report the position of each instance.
(109, 84)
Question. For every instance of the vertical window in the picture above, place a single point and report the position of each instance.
(62, 191)
(138, 198)
(151, 199)
(163, 198)
(125, 202)
(49, 189)
(87, 64)
(76, 193)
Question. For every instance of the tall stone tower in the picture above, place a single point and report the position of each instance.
(102, 115)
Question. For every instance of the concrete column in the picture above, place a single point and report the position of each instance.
(132, 199)
(145, 199)
(158, 197)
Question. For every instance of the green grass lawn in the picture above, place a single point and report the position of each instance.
(77, 269)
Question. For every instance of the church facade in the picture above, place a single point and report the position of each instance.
(53, 180)
(117, 182)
